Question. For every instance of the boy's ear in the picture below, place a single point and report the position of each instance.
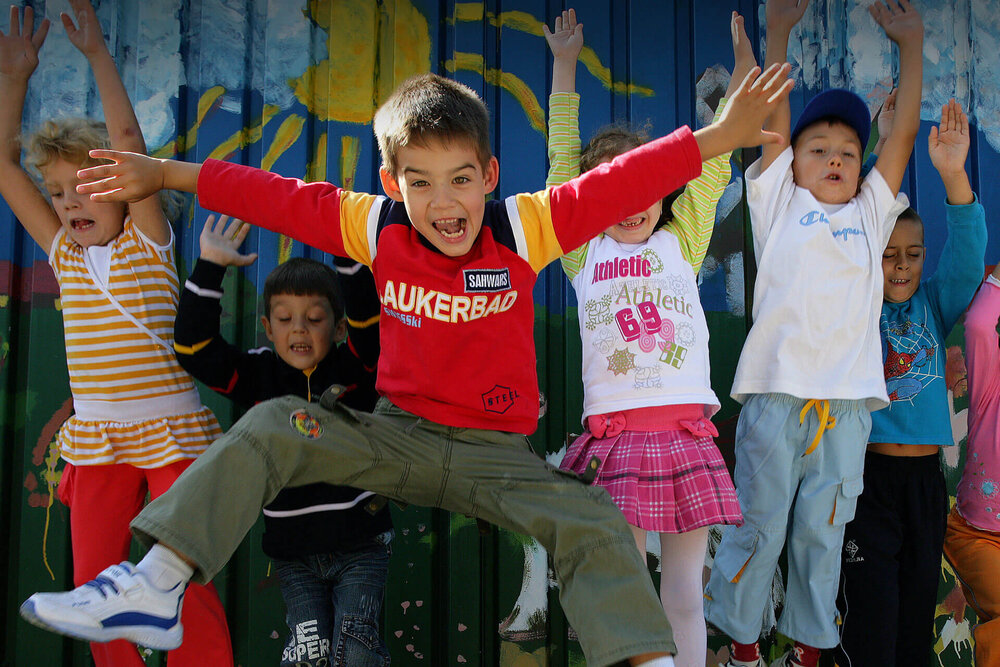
(267, 327)
(340, 333)
(492, 175)
(389, 184)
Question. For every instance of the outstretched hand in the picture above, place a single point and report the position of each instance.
(751, 104)
(130, 178)
(567, 39)
(221, 244)
(899, 19)
(948, 144)
(86, 33)
(19, 47)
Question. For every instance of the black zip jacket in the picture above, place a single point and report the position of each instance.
(316, 518)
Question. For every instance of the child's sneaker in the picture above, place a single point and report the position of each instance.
(119, 604)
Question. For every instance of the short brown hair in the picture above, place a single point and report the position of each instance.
(429, 107)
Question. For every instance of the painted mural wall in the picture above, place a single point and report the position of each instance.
(291, 86)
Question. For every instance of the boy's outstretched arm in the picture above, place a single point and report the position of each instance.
(742, 122)
(781, 17)
(119, 116)
(903, 25)
(18, 60)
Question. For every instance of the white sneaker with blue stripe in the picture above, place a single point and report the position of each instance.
(120, 603)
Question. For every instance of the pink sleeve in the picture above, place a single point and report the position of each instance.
(307, 212)
(587, 205)
(982, 356)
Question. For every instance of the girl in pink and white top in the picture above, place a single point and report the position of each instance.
(138, 420)
(972, 541)
(647, 392)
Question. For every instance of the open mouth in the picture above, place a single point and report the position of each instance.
(81, 224)
(631, 223)
(833, 177)
(898, 282)
(300, 347)
(450, 228)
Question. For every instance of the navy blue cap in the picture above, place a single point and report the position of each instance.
(839, 103)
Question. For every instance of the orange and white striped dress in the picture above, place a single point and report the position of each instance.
(133, 403)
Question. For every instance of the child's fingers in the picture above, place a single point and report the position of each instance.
(38, 38)
(91, 174)
(932, 138)
(241, 233)
(768, 137)
(785, 89)
(98, 186)
(115, 195)
(233, 230)
(773, 76)
(15, 22)
(67, 22)
(209, 221)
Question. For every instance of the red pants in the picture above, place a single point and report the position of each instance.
(975, 556)
(103, 500)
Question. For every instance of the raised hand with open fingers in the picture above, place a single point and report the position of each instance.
(85, 34)
(19, 46)
(220, 244)
(754, 101)
(898, 18)
(948, 144)
(566, 41)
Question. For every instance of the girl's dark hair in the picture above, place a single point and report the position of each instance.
(302, 277)
(613, 140)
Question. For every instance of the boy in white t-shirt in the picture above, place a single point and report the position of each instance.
(811, 368)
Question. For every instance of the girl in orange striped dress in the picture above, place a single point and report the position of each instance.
(138, 420)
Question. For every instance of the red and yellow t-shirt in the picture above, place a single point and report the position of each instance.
(457, 344)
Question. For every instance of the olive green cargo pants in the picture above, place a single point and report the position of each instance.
(605, 589)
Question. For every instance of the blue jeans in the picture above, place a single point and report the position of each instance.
(334, 601)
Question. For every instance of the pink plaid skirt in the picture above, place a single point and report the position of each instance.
(663, 481)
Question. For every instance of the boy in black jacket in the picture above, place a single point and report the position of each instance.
(330, 553)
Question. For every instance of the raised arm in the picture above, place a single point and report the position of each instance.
(18, 60)
(201, 349)
(781, 17)
(123, 127)
(963, 257)
(694, 210)
(948, 146)
(903, 25)
(564, 116)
